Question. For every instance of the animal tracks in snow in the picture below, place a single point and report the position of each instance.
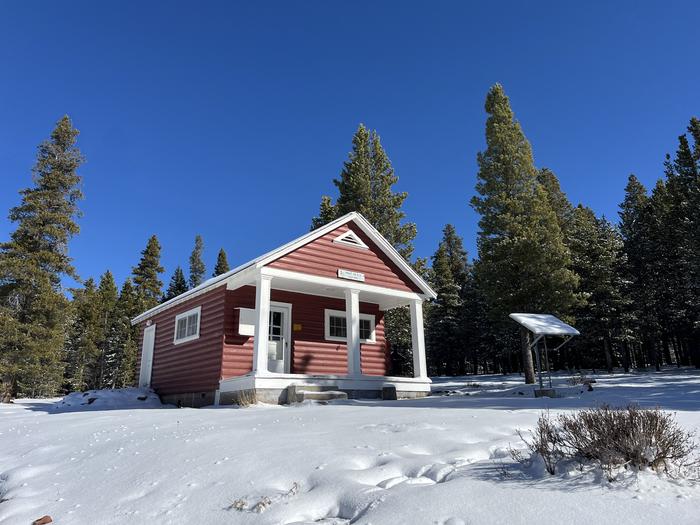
(426, 475)
(393, 428)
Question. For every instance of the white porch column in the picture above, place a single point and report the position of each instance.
(262, 323)
(352, 316)
(417, 339)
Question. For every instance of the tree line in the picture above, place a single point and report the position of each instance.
(48, 342)
(631, 287)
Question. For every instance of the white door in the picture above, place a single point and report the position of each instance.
(149, 340)
(279, 339)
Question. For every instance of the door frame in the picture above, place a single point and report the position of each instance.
(287, 332)
(146, 382)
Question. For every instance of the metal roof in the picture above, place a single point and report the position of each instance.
(544, 324)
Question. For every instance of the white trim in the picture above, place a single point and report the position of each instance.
(352, 315)
(339, 313)
(350, 238)
(281, 381)
(198, 311)
(263, 285)
(287, 333)
(268, 257)
(420, 368)
(339, 283)
(146, 369)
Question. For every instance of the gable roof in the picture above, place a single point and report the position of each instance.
(275, 254)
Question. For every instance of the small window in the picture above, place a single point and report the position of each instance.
(337, 330)
(187, 325)
(365, 329)
(337, 326)
(350, 238)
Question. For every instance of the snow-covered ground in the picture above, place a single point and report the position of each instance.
(442, 460)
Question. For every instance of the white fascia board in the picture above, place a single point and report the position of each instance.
(339, 283)
(195, 292)
(304, 239)
(395, 256)
(234, 279)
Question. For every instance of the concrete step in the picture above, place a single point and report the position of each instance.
(298, 393)
(326, 395)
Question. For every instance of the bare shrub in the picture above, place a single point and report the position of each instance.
(545, 443)
(614, 438)
(640, 438)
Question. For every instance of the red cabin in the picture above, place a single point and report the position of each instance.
(321, 301)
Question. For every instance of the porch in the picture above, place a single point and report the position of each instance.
(273, 368)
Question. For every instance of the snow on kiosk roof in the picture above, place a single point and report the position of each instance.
(544, 324)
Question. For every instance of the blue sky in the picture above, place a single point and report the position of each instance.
(231, 119)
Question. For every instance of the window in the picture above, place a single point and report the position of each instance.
(187, 325)
(350, 238)
(365, 329)
(337, 330)
(337, 326)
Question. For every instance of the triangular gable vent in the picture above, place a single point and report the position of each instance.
(351, 239)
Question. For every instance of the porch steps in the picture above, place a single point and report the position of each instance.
(299, 393)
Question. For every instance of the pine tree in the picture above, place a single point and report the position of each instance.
(107, 297)
(222, 265)
(456, 254)
(82, 342)
(523, 259)
(121, 357)
(597, 257)
(366, 185)
(442, 324)
(197, 268)
(477, 329)
(558, 200)
(146, 275)
(327, 212)
(32, 263)
(681, 222)
(177, 286)
(445, 334)
(640, 241)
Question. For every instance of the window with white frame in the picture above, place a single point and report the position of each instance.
(187, 325)
(336, 327)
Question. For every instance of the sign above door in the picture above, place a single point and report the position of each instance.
(351, 275)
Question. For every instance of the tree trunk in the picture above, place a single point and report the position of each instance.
(694, 347)
(608, 354)
(528, 366)
(626, 356)
(666, 347)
